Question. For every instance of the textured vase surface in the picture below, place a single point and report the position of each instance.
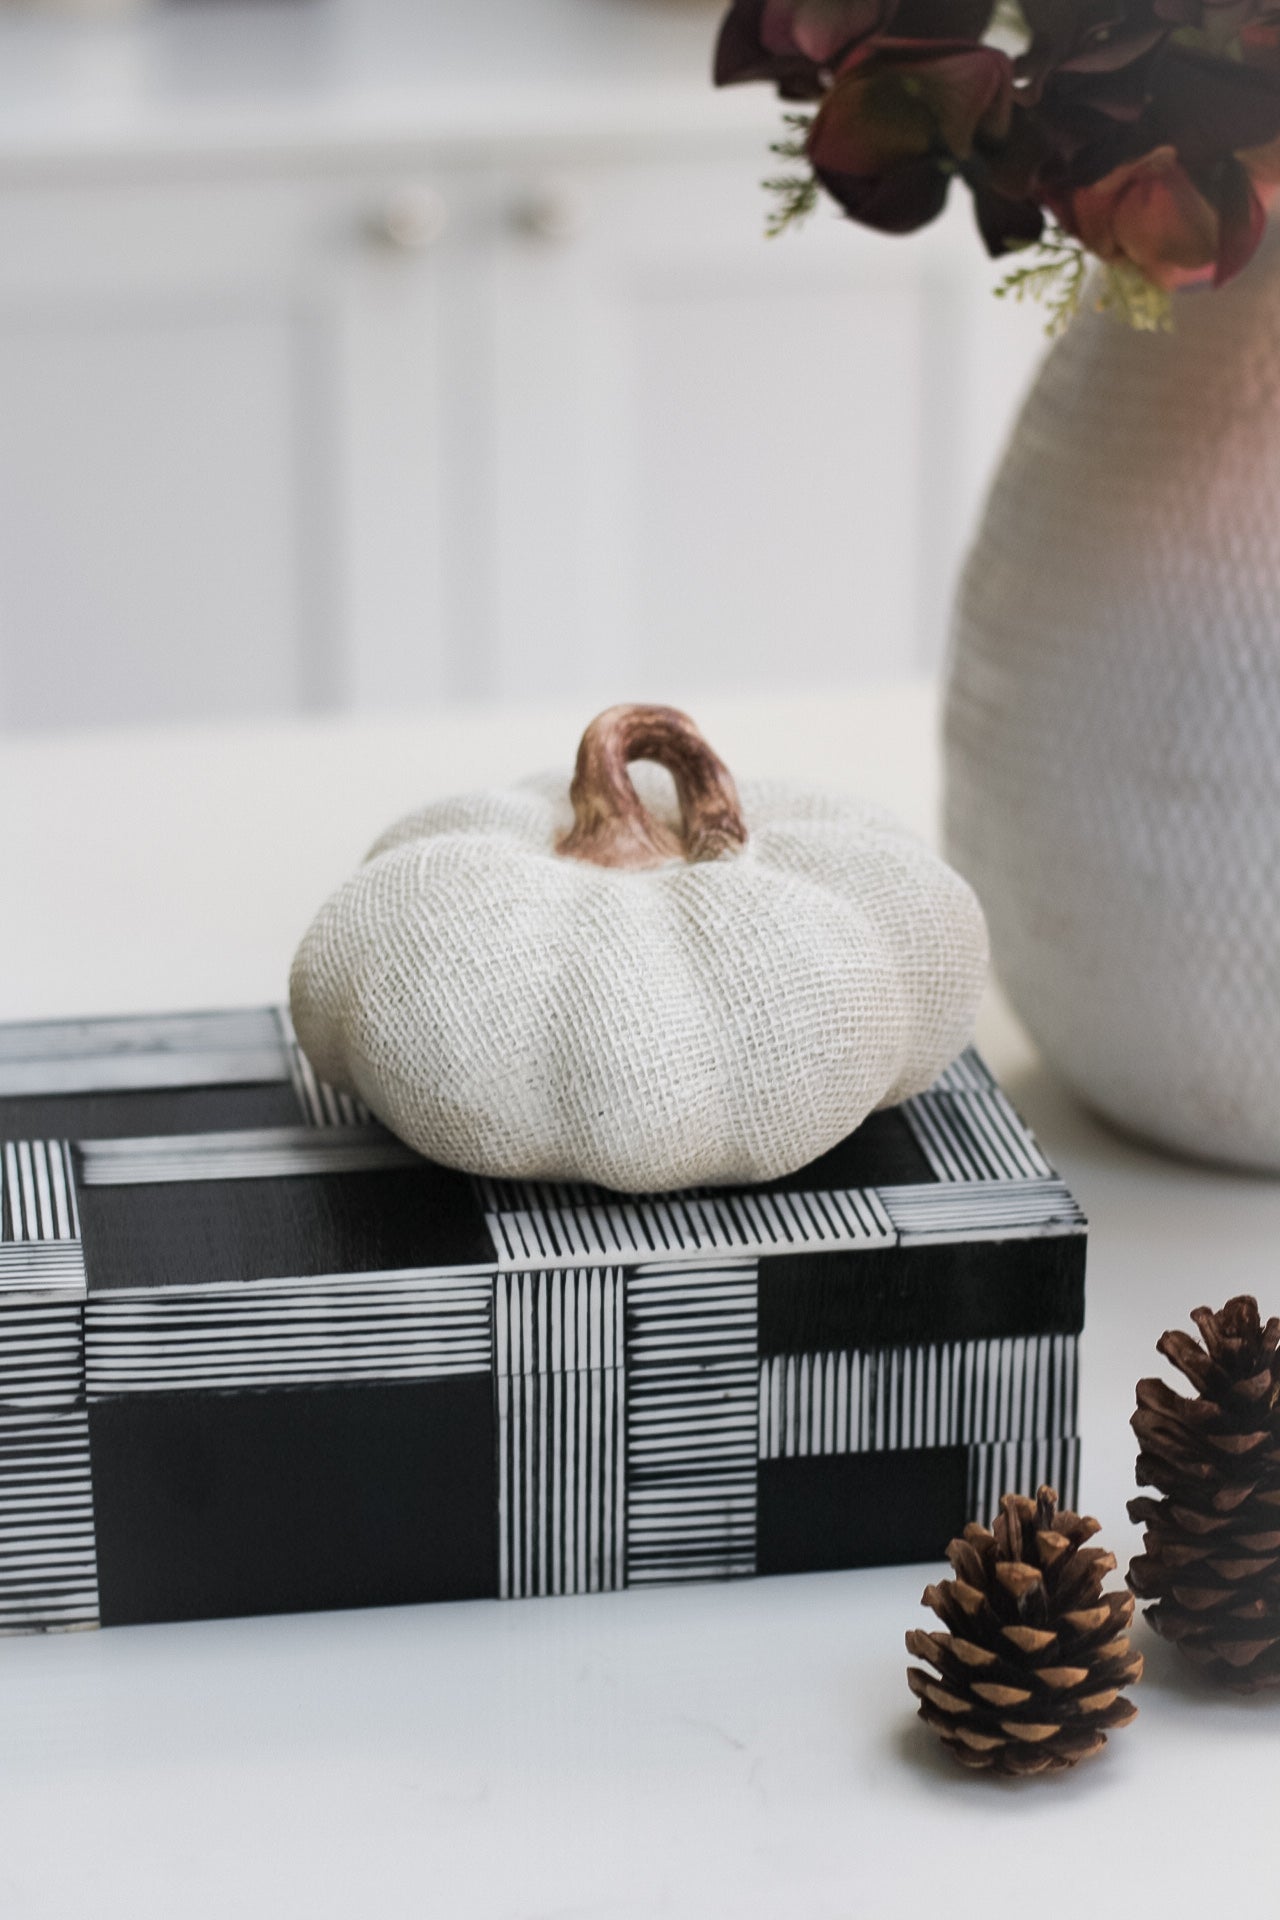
(1113, 719)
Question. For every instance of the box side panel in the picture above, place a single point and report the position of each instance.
(941, 1291)
(877, 1509)
(861, 1510)
(240, 1503)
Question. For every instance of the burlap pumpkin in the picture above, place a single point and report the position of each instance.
(578, 982)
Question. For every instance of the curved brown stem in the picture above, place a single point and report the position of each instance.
(612, 827)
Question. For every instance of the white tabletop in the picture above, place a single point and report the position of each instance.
(744, 1750)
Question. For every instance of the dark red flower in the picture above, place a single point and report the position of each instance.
(1241, 200)
(900, 118)
(1087, 37)
(1082, 128)
(1005, 221)
(793, 43)
(942, 19)
(1208, 108)
(798, 44)
(1262, 164)
(1152, 215)
(1219, 21)
(1149, 129)
(1260, 40)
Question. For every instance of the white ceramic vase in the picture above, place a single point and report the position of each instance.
(1113, 719)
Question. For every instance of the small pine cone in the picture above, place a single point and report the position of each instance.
(1036, 1655)
(1212, 1559)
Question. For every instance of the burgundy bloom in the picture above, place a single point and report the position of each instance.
(1260, 40)
(1087, 37)
(1148, 129)
(1148, 214)
(1262, 164)
(1004, 221)
(942, 19)
(822, 31)
(899, 120)
(1241, 201)
(793, 43)
(1082, 128)
(1208, 108)
(798, 44)
(1220, 21)
(1151, 214)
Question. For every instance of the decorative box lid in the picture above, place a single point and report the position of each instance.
(185, 1157)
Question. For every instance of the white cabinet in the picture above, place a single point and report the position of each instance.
(291, 431)
(148, 515)
(711, 453)
(219, 447)
(721, 460)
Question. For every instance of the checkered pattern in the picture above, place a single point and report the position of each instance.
(234, 1313)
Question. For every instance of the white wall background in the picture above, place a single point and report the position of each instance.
(364, 353)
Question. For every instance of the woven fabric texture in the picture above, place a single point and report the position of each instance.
(511, 1012)
(1113, 725)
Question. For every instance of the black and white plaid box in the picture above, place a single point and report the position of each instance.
(257, 1356)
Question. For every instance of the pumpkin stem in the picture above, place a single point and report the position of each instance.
(612, 827)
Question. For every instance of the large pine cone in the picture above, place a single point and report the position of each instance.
(1212, 1560)
(1036, 1654)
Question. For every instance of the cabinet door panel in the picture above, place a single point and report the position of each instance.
(778, 508)
(218, 447)
(148, 518)
(727, 460)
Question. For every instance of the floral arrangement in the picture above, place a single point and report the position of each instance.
(1145, 133)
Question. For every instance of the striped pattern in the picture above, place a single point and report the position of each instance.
(42, 1277)
(42, 1266)
(532, 1196)
(926, 1396)
(41, 1352)
(968, 1073)
(167, 1050)
(48, 1566)
(561, 1482)
(321, 1104)
(37, 1195)
(974, 1136)
(996, 1210)
(289, 1333)
(558, 1348)
(558, 1321)
(259, 1153)
(743, 1225)
(1020, 1466)
(691, 1422)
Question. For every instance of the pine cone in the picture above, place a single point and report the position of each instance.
(1036, 1657)
(1212, 1560)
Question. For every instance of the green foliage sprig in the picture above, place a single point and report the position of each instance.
(1057, 273)
(794, 195)
(1054, 276)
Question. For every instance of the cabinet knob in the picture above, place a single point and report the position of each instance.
(553, 211)
(410, 219)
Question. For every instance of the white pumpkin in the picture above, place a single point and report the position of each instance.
(572, 982)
